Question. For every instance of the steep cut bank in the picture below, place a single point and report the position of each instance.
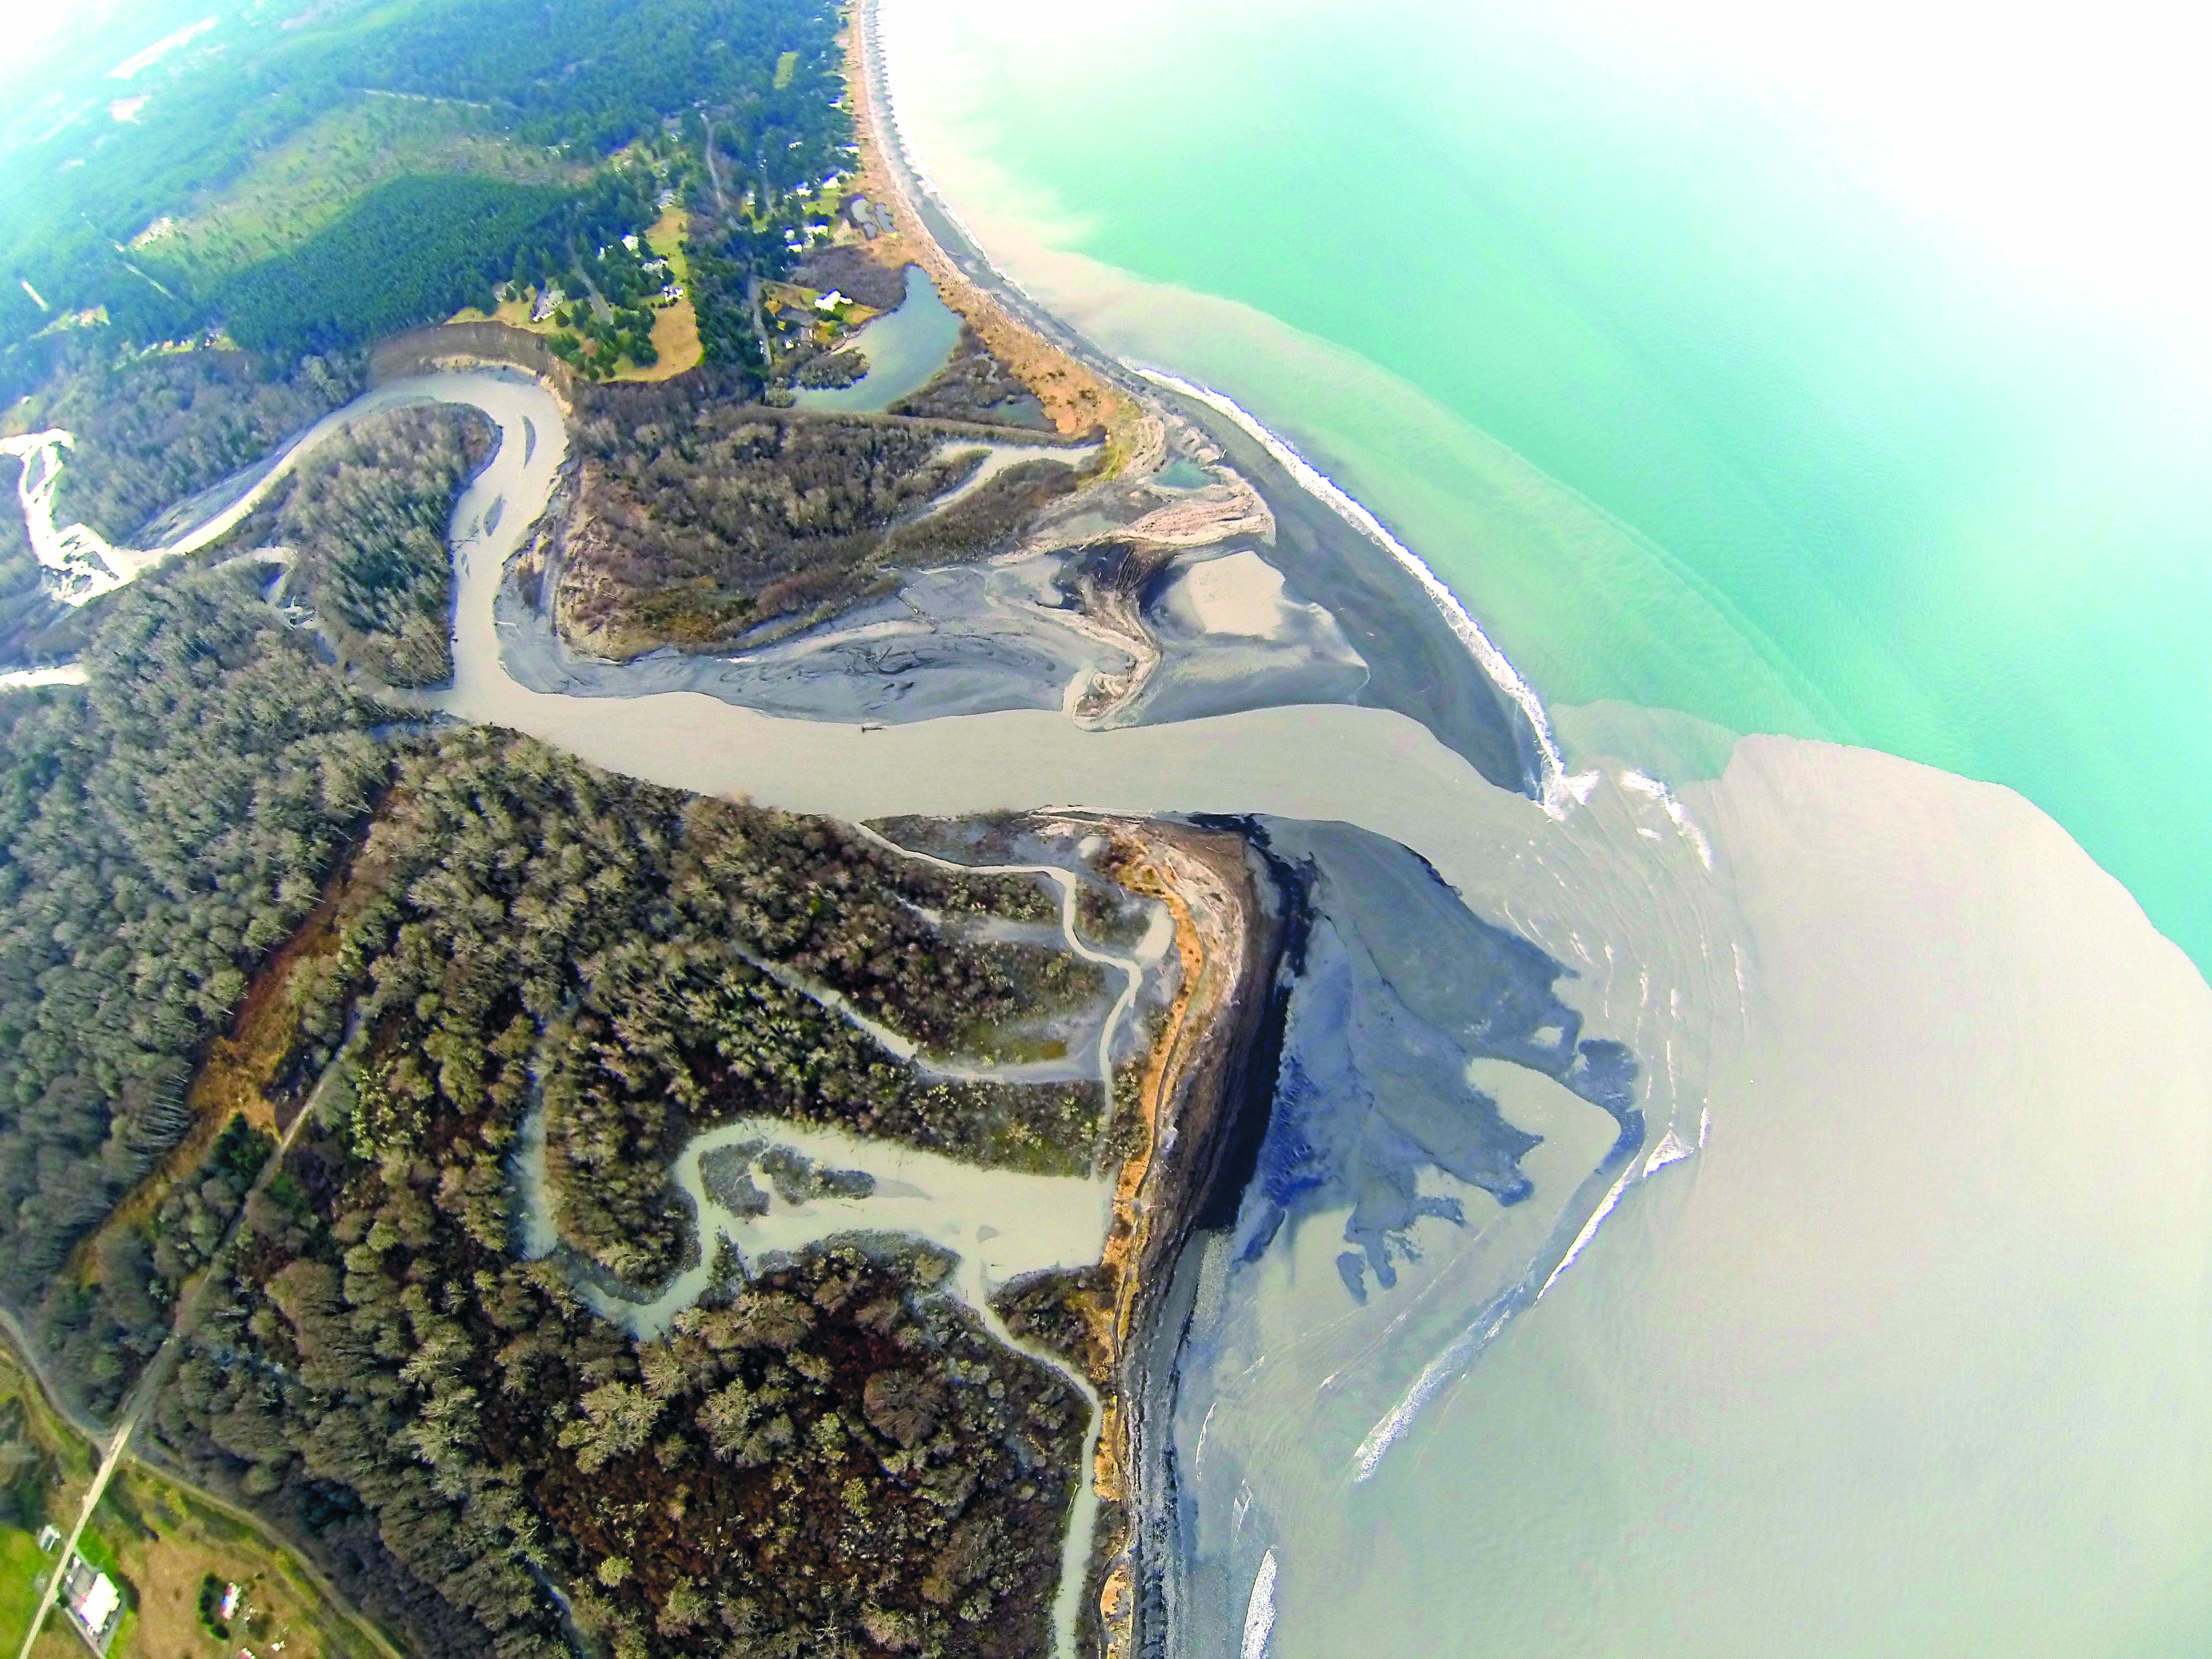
(1206, 1082)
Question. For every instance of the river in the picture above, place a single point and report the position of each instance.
(1920, 1334)
(1901, 1335)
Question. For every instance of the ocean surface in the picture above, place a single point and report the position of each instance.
(1740, 366)
(1815, 407)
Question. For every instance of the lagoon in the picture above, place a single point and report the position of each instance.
(905, 348)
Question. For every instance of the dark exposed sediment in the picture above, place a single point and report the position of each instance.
(1213, 1075)
(1417, 665)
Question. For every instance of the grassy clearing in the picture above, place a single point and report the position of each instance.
(22, 1562)
(310, 182)
(32, 1426)
(666, 239)
(168, 1542)
(786, 67)
(675, 327)
(160, 1541)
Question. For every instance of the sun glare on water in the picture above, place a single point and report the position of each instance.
(2070, 139)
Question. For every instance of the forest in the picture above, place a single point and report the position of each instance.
(594, 74)
(415, 250)
(160, 831)
(705, 520)
(366, 517)
(838, 1441)
(443, 1423)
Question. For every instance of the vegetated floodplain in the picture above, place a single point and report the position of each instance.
(158, 428)
(537, 927)
(705, 519)
(238, 896)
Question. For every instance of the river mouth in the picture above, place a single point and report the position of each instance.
(1685, 925)
(1551, 881)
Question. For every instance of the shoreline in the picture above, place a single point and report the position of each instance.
(1193, 1097)
(1425, 677)
(1067, 380)
(1228, 934)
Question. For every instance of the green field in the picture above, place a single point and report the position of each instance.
(98, 1551)
(20, 1564)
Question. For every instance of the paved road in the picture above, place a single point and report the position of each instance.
(115, 1444)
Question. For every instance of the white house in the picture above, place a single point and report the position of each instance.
(94, 1601)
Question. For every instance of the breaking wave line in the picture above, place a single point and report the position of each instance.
(1557, 789)
(1260, 1611)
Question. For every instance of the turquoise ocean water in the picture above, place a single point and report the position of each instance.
(1845, 384)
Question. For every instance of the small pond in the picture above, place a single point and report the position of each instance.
(905, 350)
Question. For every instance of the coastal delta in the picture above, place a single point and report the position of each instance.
(1271, 1012)
(1048, 1054)
(1214, 617)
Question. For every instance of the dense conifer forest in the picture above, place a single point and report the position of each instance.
(586, 76)
(413, 250)
(162, 831)
(365, 518)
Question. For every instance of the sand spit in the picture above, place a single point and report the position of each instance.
(1084, 619)
(1417, 664)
